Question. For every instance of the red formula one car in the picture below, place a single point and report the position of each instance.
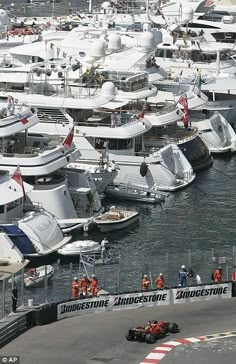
(152, 331)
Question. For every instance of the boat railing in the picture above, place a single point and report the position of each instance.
(121, 120)
(164, 107)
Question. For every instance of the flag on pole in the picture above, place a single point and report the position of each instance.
(69, 138)
(24, 120)
(197, 86)
(141, 115)
(18, 178)
(105, 153)
(184, 103)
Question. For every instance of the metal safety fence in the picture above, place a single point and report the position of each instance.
(122, 274)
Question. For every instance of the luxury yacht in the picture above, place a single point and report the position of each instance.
(31, 230)
(42, 160)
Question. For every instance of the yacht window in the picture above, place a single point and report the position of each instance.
(13, 204)
(1, 209)
(200, 25)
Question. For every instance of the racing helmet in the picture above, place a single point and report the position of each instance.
(183, 266)
(145, 276)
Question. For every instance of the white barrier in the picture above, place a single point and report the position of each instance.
(200, 293)
(144, 299)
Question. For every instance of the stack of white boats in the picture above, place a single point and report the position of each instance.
(116, 93)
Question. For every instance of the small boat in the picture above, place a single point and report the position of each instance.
(116, 219)
(134, 193)
(78, 247)
(37, 278)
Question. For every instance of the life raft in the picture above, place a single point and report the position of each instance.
(143, 169)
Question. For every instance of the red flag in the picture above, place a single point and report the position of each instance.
(141, 115)
(184, 103)
(24, 120)
(18, 178)
(69, 139)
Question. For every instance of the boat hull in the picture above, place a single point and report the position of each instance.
(105, 226)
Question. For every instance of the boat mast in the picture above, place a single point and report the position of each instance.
(147, 9)
(90, 6)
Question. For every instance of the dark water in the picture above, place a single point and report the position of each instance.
(47, 8)
(195, 226)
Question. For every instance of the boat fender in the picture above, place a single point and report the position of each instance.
(143, 169)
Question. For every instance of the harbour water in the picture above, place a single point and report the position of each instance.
(45, 8)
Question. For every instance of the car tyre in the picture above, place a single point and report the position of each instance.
(173, 328)
(129, 337)
(149, 338)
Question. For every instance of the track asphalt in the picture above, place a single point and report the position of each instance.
(100, 338)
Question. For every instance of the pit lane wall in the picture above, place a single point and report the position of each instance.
(144, 299)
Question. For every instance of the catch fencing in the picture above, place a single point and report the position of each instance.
(125, 275)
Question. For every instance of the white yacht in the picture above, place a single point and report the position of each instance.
(42, 159)
(25, 228)
(184, 55)
(215, 131)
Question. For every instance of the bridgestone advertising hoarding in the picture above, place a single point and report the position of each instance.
(147, 299)
(112, 303)
(200, 293)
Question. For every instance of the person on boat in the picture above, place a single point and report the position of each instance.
(233, 275)
(183, 274)
(105, 248)
(101, 163)
(84, 283)
(94, 285)
(75, 288)
(32, 272)
(114, 166)
(145, 283)
(218, 275)
(160, 281)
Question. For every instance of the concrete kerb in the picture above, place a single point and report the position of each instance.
(157, 354)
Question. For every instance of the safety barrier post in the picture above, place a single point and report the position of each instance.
(3, 297)
(22, 287)
(45, 285)
(167, 268)
(118, 278)
(233, 260)
(70, 276)
(190, 265)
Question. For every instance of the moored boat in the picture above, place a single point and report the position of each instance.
(116, 219)
(134, 193)
(35, 277)
(76, 248)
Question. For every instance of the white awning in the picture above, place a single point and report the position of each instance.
(115, 104)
